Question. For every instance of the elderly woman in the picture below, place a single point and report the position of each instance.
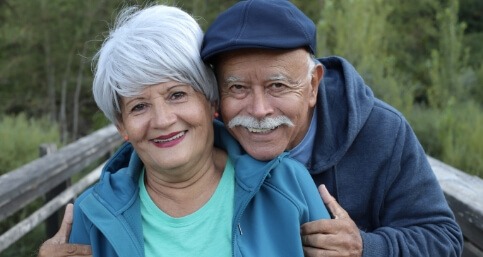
(169, 191)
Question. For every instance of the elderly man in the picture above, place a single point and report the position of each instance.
(275, 97)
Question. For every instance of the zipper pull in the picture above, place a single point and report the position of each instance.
(239, 229)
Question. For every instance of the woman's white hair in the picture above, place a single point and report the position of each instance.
(146, 47)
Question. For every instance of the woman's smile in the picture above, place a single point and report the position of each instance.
(169, 140)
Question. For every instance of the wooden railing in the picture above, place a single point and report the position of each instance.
(464, 194)
(20, 187)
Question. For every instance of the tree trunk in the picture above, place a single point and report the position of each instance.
(50, 73)
(78, 87)
(63, 103)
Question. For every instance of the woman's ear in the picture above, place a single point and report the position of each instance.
(215, 110)
(122, 131)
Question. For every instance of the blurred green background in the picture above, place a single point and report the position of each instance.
(422, 56)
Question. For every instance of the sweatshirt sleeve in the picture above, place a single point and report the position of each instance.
(416, 219)
(315, 207)
(300, 187)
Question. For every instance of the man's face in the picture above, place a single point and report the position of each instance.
(267, 98)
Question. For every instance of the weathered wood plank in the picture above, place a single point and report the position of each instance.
(470, 250)
(28, 224)
(23, 185)
(464, 194)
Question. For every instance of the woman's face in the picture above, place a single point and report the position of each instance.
(170, 126)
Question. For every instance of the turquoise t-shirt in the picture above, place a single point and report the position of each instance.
(206, 232)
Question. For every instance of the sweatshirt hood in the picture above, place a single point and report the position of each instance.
(248, 171)
(120, 176)
(344, 103)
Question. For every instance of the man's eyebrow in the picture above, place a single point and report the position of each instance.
(278, 77)
(231, 79)
(281, 77)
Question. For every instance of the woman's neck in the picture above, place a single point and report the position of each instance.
(181, 197)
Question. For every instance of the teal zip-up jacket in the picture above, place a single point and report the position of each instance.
(272, 200)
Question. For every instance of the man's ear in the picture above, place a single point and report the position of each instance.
(317, 75)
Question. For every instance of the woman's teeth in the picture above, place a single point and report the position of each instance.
(169, 139)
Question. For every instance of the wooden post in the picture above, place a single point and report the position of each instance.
(53, 222)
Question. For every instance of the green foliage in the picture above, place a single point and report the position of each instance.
(416, 52)
(425, 123)
(408, 51)
(29, 244)
(413, 32)
(473, 42)
(448, 60)
(21, 138)
(204, 11)
(454, 94)
(471, 13)
(45, 50)
(356, 30)
(311, 8)
(461, 133)
(477, 89)
(453, 134)
(99, 120)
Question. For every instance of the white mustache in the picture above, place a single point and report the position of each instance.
(264, 124)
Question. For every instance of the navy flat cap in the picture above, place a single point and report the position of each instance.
(269, 24)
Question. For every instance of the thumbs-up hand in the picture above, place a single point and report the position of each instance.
(58, 245)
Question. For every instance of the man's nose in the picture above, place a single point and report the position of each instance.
(260, 105)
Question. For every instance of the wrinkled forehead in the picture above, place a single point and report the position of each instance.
(267, 62)
(261, 53)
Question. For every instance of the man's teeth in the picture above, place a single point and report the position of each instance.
(169, 139)
(260, 130)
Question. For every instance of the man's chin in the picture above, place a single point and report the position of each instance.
(262, 154)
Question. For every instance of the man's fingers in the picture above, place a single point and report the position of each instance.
(78, 249)
(331, 237)
(316, 252)
(320, 245)
(335, 209)
(314, 227)
(316, 240)
(62, 250)
(58, 245)
(331, 245)
(62, 236)
(325, 226)
(343, 240)
(328, 226)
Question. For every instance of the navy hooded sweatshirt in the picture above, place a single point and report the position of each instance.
(369, 158)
